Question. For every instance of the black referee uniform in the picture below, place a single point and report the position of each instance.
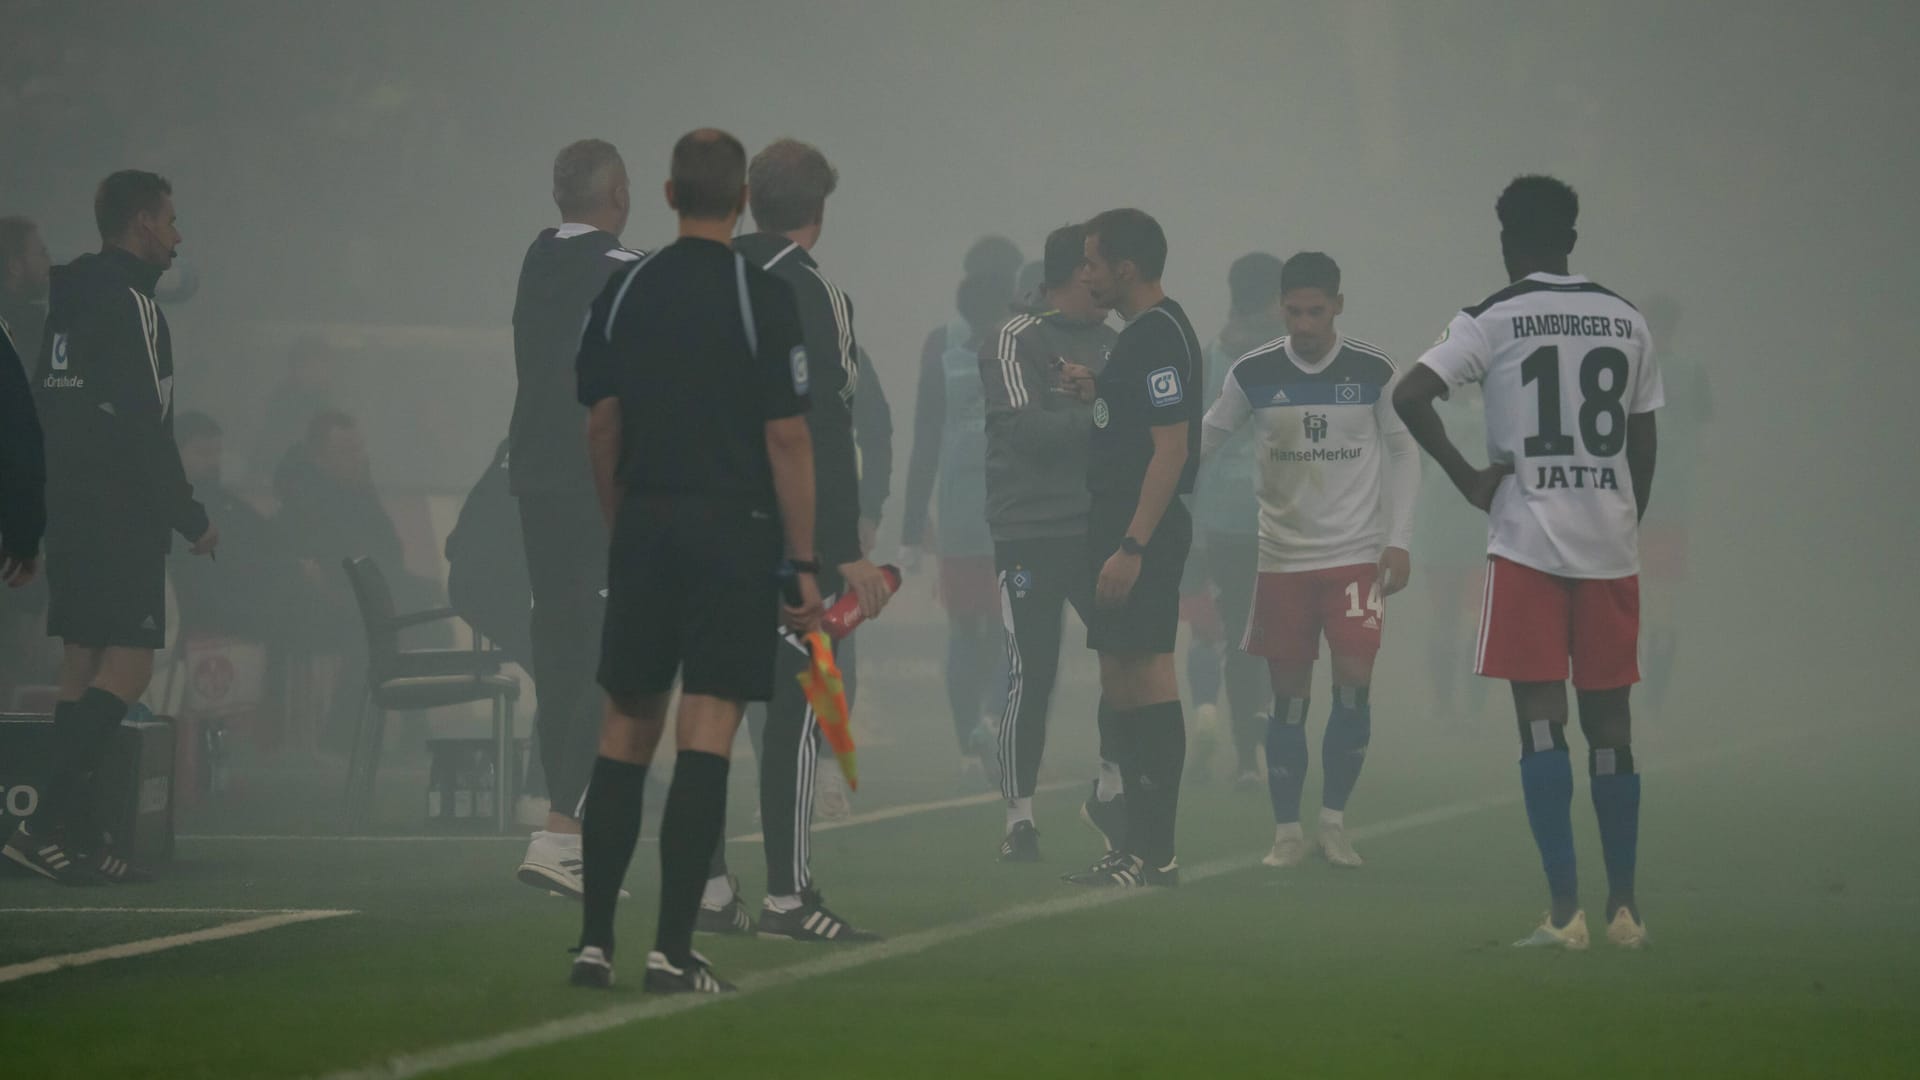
(1153, 378)
(560, 520)
(702, 350)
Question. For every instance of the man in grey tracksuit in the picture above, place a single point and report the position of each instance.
(1037, 505)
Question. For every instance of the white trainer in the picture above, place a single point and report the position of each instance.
(1337, 849)
(1289, 849)
(1627, 932)
(553, 864)
(1571, 937)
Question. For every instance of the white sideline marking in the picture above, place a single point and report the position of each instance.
(574, 1027)
(155, 911)
(884, 814)
(585, 1024)
(153, 945)
(909, 809)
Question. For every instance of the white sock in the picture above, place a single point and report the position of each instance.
(1333, 819)
(719, 892)
(1019, 810)
(1110, 785)
(1289, 831)
(569, 840)
(790, 902)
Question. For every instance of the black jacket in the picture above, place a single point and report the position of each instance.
(559, 279)
(23, 464)
(826, 323)
(105, 395)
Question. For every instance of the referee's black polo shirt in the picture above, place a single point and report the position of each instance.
(697, 384)
(702, 350)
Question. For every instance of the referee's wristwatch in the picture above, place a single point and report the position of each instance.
(1132, 547)
(802, 566)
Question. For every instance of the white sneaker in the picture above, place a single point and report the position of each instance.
(1627, 932)
(1287, 851)
(1571, 937)
(1338, 850)
(553, 864)
(835, 803)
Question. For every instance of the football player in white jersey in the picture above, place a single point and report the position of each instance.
(1337, 474)
(1570, 384)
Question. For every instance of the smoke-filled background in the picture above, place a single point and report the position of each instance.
(368, 175)
(357, 182)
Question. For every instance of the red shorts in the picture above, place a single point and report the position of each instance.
(1532, 623)
(1290, 611)
(969, 585)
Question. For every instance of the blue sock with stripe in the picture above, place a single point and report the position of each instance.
(1546, 781)
(1616, 803)
(1287, 758)
(1343, 750)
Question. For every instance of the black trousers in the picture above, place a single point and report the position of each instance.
(1038, 578)
(789, 751)
(566, 540)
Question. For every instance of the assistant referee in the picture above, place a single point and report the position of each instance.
(693, 368)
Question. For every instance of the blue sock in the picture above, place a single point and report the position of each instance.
(1287, 758)
(1344, 748)
(1616, 803)
(1546, 778)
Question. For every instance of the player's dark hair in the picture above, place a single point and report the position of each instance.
(1538, 215)
(124, 196)
(193, 426)
(709, 170)
(581, 172)
(982, 299)
(1130, 235)
(993, 255)
(790, 181)
(1253, 283)
(14, 231)
(1066, 253)
(1311, 270)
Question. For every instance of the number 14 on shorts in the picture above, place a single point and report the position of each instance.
(1373, 606)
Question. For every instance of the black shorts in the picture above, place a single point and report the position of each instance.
(1149, 622)
(104, 591)
(691, 590)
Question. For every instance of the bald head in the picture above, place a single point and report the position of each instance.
(590, 184)
(708, 181)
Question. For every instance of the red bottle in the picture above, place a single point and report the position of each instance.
(845, 614)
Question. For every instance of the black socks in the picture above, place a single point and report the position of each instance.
(609, 828)
(689, 835)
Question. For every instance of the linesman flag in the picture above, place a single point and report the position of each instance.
(827, 694)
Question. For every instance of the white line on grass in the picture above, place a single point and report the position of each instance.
(157, 911)
(887, 813)
(575, 1027)
(153, 945)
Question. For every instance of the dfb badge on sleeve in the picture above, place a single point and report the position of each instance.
(798, 360)
(1163, 388)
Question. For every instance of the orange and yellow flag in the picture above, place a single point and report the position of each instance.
(827, 693)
